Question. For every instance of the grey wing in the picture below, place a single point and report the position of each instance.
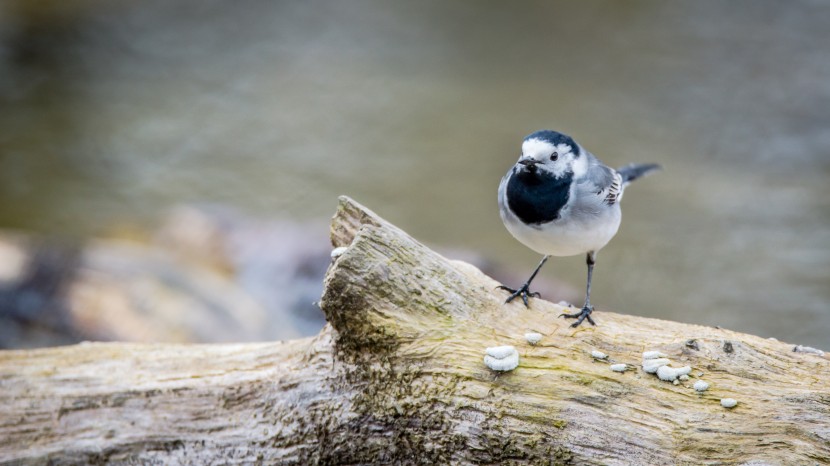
(600, 185)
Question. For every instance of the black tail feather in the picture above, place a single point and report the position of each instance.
(633, 171)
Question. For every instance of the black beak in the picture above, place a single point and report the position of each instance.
(528, 162)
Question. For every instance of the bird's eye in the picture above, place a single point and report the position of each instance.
(554, 156)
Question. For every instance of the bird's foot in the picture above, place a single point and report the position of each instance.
(584, 314)
(523, 291)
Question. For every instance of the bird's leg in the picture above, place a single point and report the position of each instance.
(585, 313)
(523, 290)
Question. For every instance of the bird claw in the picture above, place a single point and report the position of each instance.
(522, 291)
(584, 314)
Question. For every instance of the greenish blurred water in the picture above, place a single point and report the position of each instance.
(114, 111)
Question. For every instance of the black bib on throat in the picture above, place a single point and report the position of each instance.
(537, 197)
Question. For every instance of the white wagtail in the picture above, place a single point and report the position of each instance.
(560, 200)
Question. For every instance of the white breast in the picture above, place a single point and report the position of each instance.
(569, 235)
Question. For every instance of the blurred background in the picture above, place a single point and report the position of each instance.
(168, 168)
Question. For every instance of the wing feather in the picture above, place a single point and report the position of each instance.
(615, 190)
(604, 183)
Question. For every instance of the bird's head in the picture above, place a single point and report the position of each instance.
(551, 152)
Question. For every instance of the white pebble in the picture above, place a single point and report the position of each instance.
(337, 252)
(500, 352)
(618, 367)
(728, 402)
(701, 386)
(653, 355)
(651, 365)
(670, 374)
(598, 354)
(533, 337)
(684, 377)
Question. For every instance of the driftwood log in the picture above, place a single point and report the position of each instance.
(397, 377)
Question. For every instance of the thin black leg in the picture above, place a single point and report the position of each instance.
(585, 313)
(523, 290)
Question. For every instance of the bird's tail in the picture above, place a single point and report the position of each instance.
(633, 171)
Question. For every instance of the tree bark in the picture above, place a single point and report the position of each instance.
(397, 377)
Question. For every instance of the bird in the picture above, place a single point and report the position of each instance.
(560, 200)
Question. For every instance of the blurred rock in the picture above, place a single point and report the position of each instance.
(12, 259)
(68, 292)
(141, 293)
(35, 279)
(280, 264)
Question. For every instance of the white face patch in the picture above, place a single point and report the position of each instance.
(538, 149)
(541, 151)
(580, 167)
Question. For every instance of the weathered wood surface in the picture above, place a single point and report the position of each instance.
(397, 377)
